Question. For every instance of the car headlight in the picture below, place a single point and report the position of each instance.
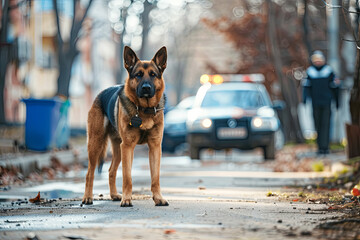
(206, 123)
(202, 125)
(264, 124)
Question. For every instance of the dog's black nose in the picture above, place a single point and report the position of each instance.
(146, 87)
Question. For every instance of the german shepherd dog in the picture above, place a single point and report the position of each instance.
(129, 114)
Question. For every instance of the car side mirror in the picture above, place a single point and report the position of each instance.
(278, 105)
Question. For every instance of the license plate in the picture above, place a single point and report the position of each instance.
(232, 133)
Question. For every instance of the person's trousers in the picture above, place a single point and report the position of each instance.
(321, 116)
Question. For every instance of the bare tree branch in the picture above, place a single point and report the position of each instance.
(338, 6)
(349, 40)
(77, 25)
(4, 19)
(74, 17)
(350, 28)
(306, 28)
(57, 22)
(345, 9)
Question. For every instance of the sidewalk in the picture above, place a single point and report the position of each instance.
(28, 162)
(299, 158)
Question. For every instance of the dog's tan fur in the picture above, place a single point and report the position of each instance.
(126, 137)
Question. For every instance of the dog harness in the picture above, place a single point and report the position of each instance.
(109, 99)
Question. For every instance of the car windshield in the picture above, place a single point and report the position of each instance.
(238, 98)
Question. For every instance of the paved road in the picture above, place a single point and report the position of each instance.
(220, 197)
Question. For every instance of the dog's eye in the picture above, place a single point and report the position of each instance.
(152, 74)
(139, 74)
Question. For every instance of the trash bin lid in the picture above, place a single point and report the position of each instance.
(50, 101)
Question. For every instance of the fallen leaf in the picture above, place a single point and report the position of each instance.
(35, 199)
(355, 192)
(170, 231)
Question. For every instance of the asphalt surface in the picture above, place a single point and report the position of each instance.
(219, 197)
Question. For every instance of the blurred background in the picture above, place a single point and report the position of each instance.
(73, 49)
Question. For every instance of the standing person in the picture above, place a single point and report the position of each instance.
(322, 87)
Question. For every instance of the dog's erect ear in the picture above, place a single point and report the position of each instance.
(130, 58)
(160, 59)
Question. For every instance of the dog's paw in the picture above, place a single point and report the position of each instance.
(126, 203)
(87, 200)
(115, 197)
(160, 202)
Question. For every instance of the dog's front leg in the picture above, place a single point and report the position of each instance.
(127, 154)
(154, 160)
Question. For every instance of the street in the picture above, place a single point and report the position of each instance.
(248, 113)
(220, 197)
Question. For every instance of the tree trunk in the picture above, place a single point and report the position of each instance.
(68, 51)
(306, 28)
(353, 131)
(4, 57)
(291, 122)
(120, 70)
(65, 66)
(4, 60)
(146, 27)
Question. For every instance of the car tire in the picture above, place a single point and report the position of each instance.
(269, 150)
(194, 153)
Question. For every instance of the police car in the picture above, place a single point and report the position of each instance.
(232, 111)
(175, 126)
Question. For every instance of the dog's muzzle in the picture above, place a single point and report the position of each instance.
(145, 89)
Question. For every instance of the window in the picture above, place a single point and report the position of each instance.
(239, 98)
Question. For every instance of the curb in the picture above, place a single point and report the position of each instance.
(30, 163)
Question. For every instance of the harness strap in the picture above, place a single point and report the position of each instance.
(150, 110)
(126, 103)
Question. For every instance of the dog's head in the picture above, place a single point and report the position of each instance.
(145, 80)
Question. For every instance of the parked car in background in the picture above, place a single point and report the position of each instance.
(233, 111)
(175, 130)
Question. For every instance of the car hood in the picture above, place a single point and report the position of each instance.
(216, 113)
(176, 116)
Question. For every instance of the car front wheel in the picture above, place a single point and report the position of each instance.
(194, 153)
(269, 150)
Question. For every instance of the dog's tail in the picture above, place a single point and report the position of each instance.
(100, 165)
(102, 157)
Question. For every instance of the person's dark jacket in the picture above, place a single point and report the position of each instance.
(320, 86)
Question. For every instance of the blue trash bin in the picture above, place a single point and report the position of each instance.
(42, 119)
(62, 133)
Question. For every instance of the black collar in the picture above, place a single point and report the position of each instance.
(132, 109)
(150, 110)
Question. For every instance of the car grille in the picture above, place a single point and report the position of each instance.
(224, 123)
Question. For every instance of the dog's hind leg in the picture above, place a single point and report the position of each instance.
(97, 141)
(116, 159)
